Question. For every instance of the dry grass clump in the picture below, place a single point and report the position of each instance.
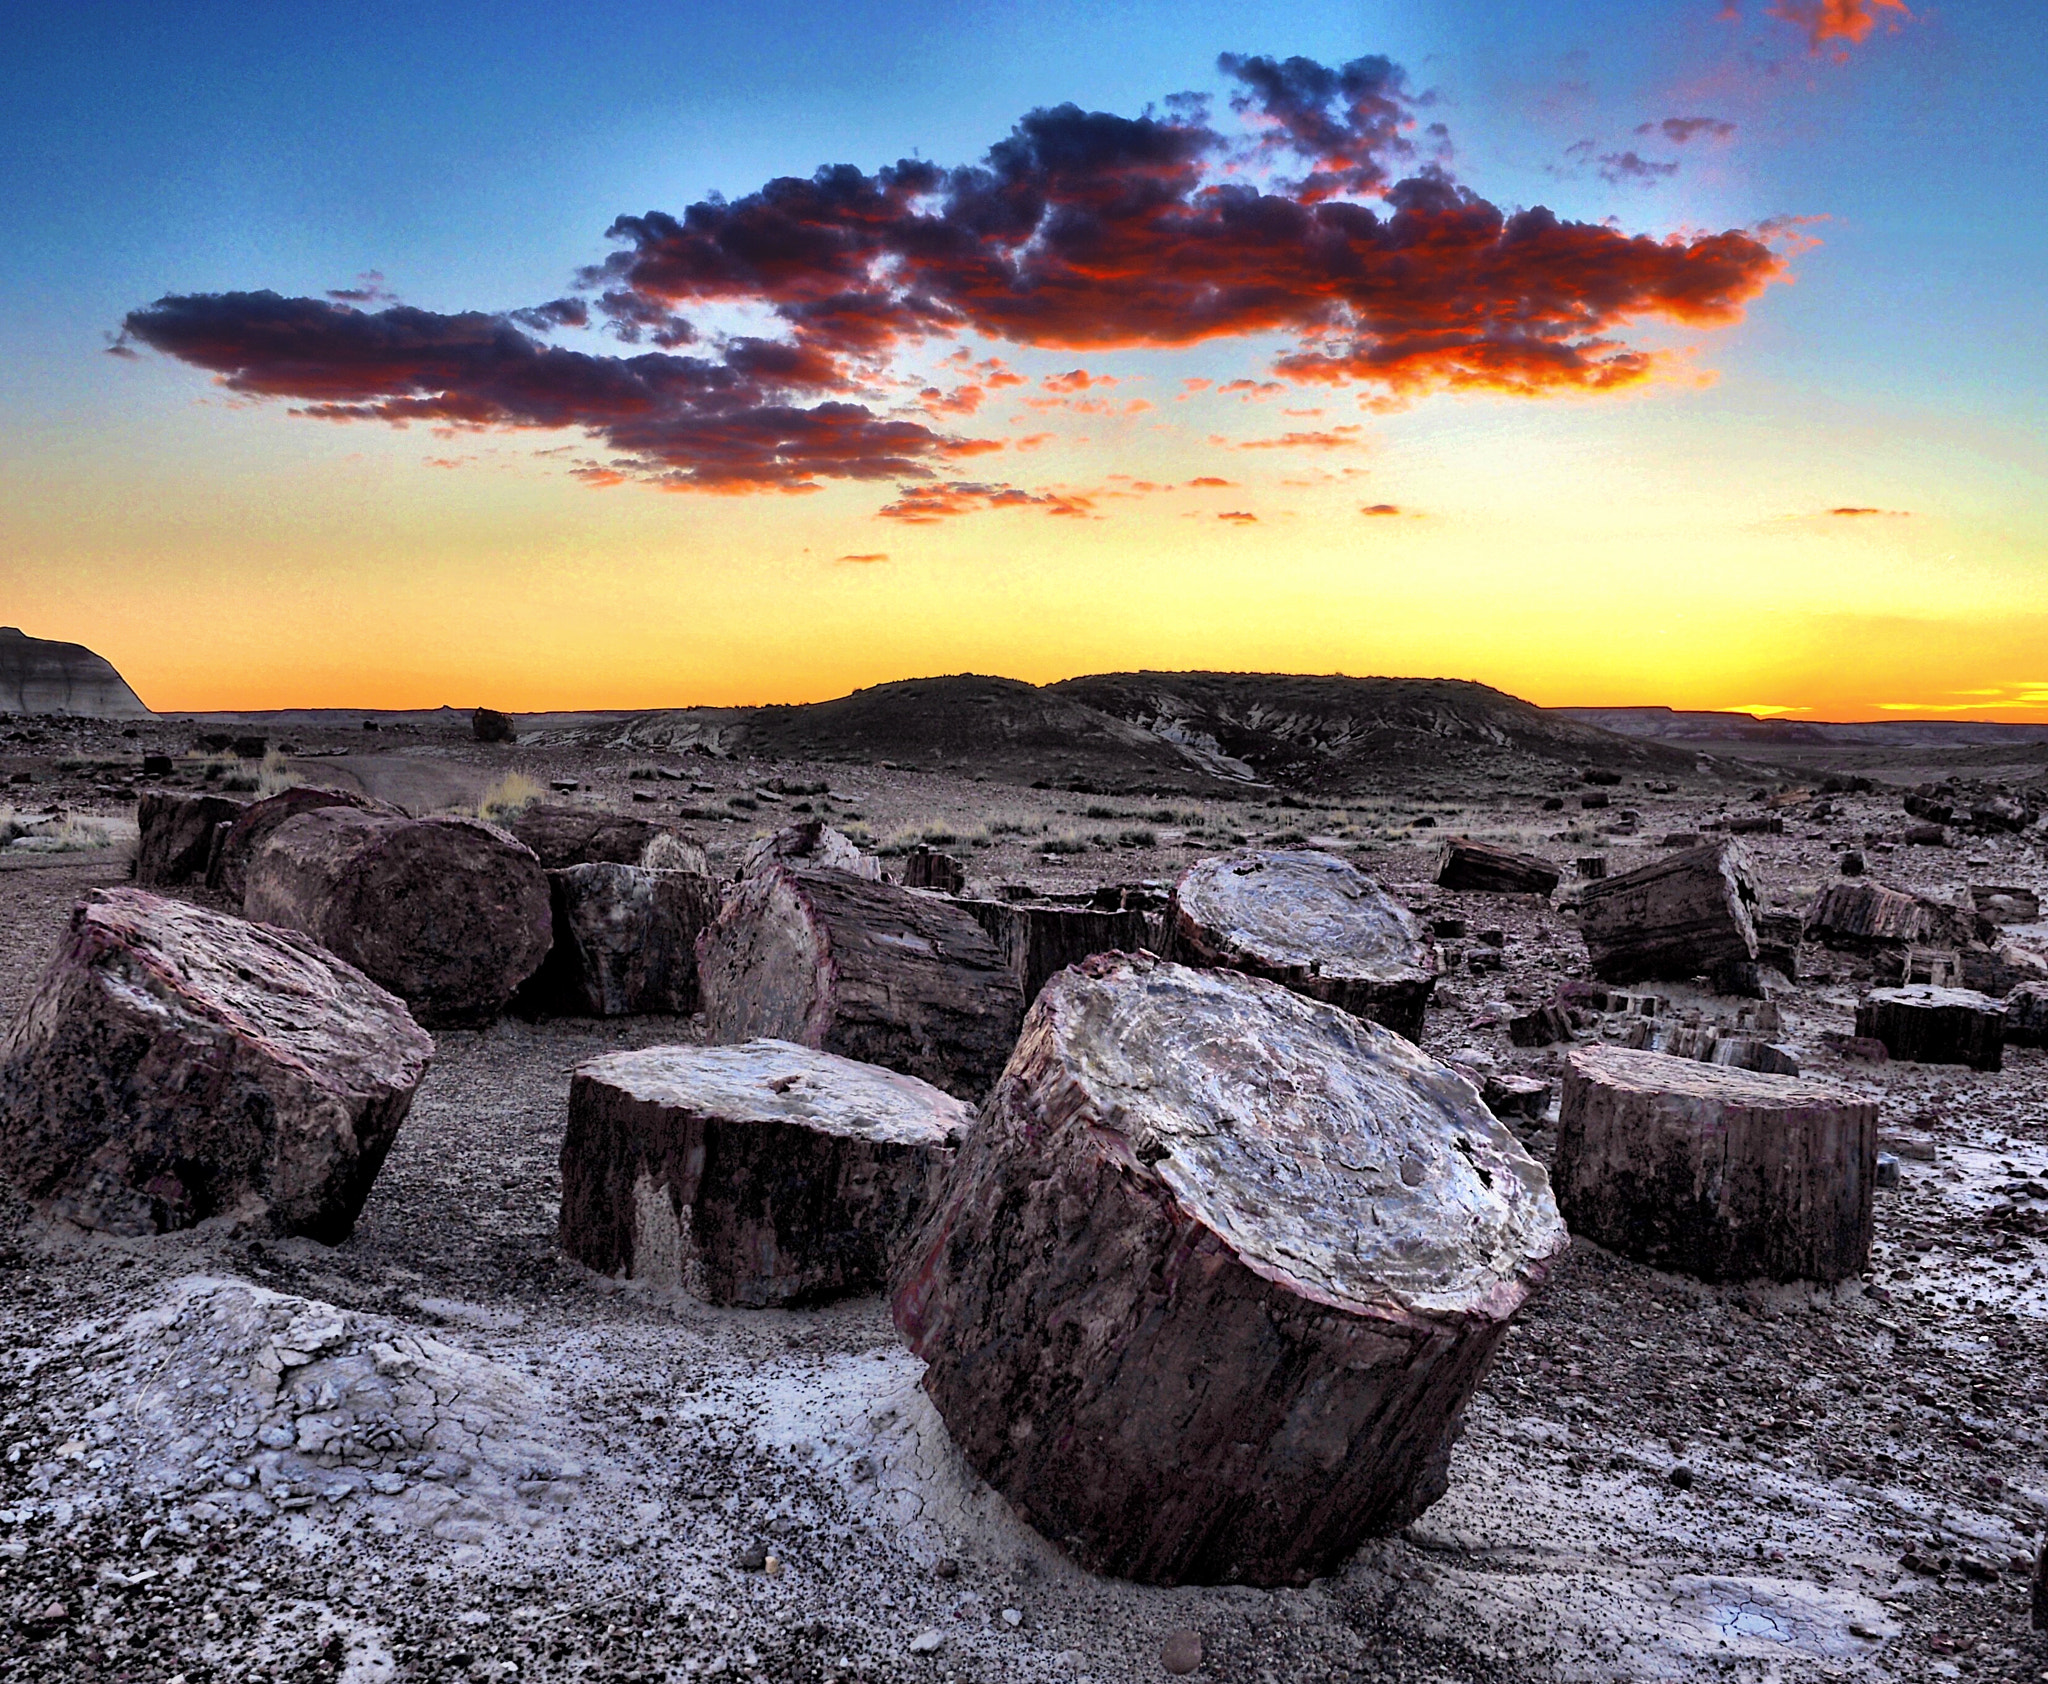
(275, 776)
(507, 796)
(67, 835)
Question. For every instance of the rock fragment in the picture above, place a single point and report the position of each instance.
(1036, 940)
(1714, 1172)
(177, 1064)
(625, 942)
(1462, 863)
(927, 868)
(1311, 922)
(227, 871)
(813, 843)
(763, 1174)
(176, 836)
(561, 834)
(865, 969)
(488, 725)
(1216, 1273)
(1935, 1025)
(1679, 917)
(450, 914)
(2026, 1015)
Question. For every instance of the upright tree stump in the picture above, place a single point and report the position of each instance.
(1935, 1025)
(864, 969)
(451, 915)
(763, 1174)
(1037, 940)
(1217, 1272)
(1677, 917)
(1311, 922)
(177, 1064)
(927, 868)
(1462, 863)
(1713, 1172)
(176, 835)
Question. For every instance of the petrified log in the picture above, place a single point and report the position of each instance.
(1718, 1173)
(1217, 1272)
(2006, 904)
(176, 835)
(2026, 1015)
(864, 969)
(1677, 917)
(1997, 971)
(666, 851)
(1935, 1025)
(1462, 863)
(1865, 917)
(813, 844)
(763, 1174)
(488, 725)
(625, 941)
(228, 870)
(1540, 1026)
(927, 868)
(1778, 935)
(177, 1064)
(1591, 867)
(451, 915)
(1036, 940)
(562, 835)
(1516, 1096)
(1312, 922)
(1925, 836)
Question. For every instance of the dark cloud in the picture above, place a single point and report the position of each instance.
(1682, 130)
(1080, 231)
(1618, 167)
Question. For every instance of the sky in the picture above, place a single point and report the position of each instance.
(1617, 352)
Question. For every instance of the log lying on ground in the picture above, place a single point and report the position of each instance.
(864, 969)
(1311, 922)
(1718, 1173)
(563, 835)
(176, 835)
(1037, 940)
(927, 868)
(815, 845)
(451, 915)
(763, 1174)
(1216, 1273)
(1998, 970)
(1935, 1025)
(1862, 916)
(177, 1064)
(1683, 915)
(227, 872)
(625, 942)
(2006, 904)
(2026, 1015)
(1465, 864)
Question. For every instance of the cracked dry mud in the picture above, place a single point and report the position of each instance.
(440, 1450)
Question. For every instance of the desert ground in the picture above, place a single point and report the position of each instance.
(1659, 1480)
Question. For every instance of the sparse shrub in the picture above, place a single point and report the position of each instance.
(1137, 837)
(1066, 842)
(783, 786)
(505, 797)
(1290, 839)
(1095, 810)
(745, 803)
(938, 835)
(858, 834)
(1010, 826)
(276, 775)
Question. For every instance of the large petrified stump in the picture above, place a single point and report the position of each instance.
(1713, 1172)
(1677, 917)
(1216, 1273)
(864, 969)
(1036, 940)
(1311, 922)
(451, 915)
(175, 835)
(1465, 864)
(228, 869)
(763, 1174)
(625, 941)
(177, 1064)
(563, 835)
(1935, 1025)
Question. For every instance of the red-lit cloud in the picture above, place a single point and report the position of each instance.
(1835, 25)
(1851, 512)
(1239, 517)
(928, 504)
(1381, 509)
(1080, 231)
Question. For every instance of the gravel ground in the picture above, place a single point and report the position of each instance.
(440, 1450)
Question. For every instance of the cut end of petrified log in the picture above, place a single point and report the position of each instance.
(1935, 1025)
(1312, 922)
(813, 845)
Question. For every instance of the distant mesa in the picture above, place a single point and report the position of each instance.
(39, 676)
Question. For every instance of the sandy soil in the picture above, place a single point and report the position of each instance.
(439, 1450)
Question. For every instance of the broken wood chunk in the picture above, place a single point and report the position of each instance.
(1935, 1025)
(813, 844)
(1311, 922)
(2026, 1015)
(625, 942)
(1462, 863)
(763, 1174)
(1678, 917)
(1717, 1173)
(1216, 1273)
(1036, 940)
(176, 835)
(927, 868)
(865, 969)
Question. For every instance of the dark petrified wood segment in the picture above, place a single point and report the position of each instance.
(175, 835)
(762, 1174)
(1311, 922)
(1217, 1272)
(864, 969)
(1465, 864)
(451, 915)
(1935, 1025)
(1036, 940)
(177, 1064)
(561, 834)
(1678, 917)
(1719, 1173)
(625, 942)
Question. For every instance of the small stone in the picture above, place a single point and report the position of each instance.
(1887, 1171)
(928, 1642)
(1182, 1652)
(946, 1567)
(771, 1565)
(1680, 1477)
(751, 1559)
(1013, 1617)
